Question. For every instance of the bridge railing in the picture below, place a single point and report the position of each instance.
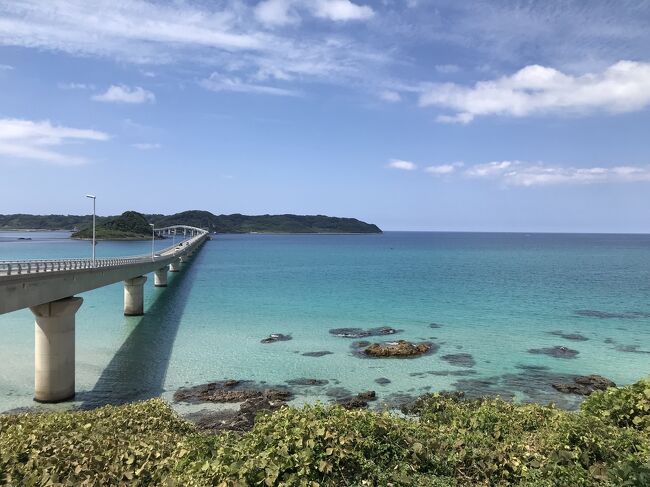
(10, 268)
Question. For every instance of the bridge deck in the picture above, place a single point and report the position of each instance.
(25, 284)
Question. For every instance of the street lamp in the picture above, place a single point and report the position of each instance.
(153, 234)
(94, 198)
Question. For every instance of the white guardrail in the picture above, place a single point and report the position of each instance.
(16, 267)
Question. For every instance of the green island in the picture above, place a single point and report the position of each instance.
(134, 225)
(439, 440)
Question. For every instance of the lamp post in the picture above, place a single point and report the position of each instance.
(94, 198)
(153, 235)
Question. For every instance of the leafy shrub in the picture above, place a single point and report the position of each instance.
(627, 407)
(445, 441)
(111, 445)
(314, 445)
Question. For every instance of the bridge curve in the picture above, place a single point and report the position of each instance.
(48, 288)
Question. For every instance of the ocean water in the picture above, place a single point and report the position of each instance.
(493, 297)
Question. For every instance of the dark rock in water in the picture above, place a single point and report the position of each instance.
(556, 352)
(584, 385)
(630, 349)
(359, 401)
(361, 333)
(275, 337)
(360, 344)
(307, 382)
(382, 381)
(591, 313)
(231, 420)
(460, 359)
(451, 373)
(435, 325)
(367, 395)
(350, 332)
(230, 391)
(610, 340)
(531, 367)
(400, 348)
(338, 392)
(317, 354)
(569, 336)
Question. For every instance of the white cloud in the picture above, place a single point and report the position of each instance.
(443, 169)
(489, 169)
(219, 82)
(146, 146)
(534, 90)
(224, 35)
(342, 10)
(276, 12)
(390, 96)
(125, 94)
(30, 140)
(403, 165)
(518, 173)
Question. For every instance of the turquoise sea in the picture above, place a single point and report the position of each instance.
(493, 297)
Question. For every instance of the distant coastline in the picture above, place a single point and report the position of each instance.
(132, 225)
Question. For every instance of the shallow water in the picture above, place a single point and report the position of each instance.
(495, 297)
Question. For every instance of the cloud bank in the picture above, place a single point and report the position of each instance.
(535, 90)
(36, 141)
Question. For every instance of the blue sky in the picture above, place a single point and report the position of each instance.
(412, 114)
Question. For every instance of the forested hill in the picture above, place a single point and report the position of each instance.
(267, 223)
(235, 223)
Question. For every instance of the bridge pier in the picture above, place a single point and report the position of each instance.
(160, 277)
(55, 349)
(175, 266)
(134, 296)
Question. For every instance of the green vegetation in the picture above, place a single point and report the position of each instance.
(45, 222)
(267, 223)
(203, 219)
(443, 441)
(129, 225)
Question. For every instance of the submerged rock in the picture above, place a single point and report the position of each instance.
(435, 325)
(400, 348)
(382, 381)
(230, 391)
(555, 352)
(592, 313)
(302, 381)
(460, 359)
(569, 336)
(321, 353)
(276, 337)
(231, 420)
(361, 333)
(359, 401)
(584, 385)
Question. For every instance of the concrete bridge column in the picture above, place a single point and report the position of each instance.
(55, 349)
(160, 277)
(134, 296)
(175, 266)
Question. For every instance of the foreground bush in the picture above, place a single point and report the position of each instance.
(444, 441)
(108, 446)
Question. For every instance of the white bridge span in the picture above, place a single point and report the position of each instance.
(48, 288)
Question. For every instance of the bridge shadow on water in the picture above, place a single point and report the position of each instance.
(138, 369)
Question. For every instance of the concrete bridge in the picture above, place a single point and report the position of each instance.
(48, 288)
